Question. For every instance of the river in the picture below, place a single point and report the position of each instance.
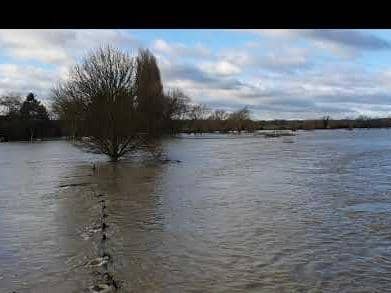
(243, 214)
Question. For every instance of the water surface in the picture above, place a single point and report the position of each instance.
(249, 214)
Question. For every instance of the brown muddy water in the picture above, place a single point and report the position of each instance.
(249, 214)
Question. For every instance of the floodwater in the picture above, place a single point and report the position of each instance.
(243, 214)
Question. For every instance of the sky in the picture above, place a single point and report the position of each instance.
(277, 74)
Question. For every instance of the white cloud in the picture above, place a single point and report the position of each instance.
(222, 67)
(163, 47)
(342, 43)
(180, 50)
(23, 79)
(58, 46)
(272, 59)
(274, 74)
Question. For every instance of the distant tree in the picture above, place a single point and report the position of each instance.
(219, 115)
(217, 120)
(175, 108)
(363, 121)
(198, 113)
(239, 119)
(69, 111)
(11, 105)
(326, 122)
(33, 109)
(34, 115)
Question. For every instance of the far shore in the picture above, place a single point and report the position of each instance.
(260, 132)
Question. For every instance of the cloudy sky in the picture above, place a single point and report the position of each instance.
(285, 74)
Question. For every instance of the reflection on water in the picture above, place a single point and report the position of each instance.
(251, 214)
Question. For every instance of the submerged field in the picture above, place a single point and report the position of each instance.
(249, 214)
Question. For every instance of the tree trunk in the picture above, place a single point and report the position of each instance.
(31, 135)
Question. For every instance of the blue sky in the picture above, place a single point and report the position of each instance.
(278, 74)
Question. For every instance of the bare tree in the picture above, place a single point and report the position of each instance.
(116, 102)
(99, 98)
(217, 120)
(239, 119)
(175, 109)
(177, 104)
(10, 105)
(69, 110)
(219, 115)
(197, 114)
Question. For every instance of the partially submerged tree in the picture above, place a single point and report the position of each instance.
(116, 102)
(98, 100)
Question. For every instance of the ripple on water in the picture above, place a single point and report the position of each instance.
(238, 215)
(370, 207)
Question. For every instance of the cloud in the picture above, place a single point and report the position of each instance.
(24, 79)
(342, 43)
(350, 38)
(309, 94)
(59, 47)
(189, 72)
(279, 60)
(36, 59)
(223, 68)
(180, 50)
(281, 74)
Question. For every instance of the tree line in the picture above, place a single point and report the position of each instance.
(26, 119)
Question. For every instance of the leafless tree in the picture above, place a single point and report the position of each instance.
(198, 113)
(238, 120)
(69, 110)
(219, 115)
(99, 100)
(175, 109)
(10, 104)
(114, 103)
(177, 104)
